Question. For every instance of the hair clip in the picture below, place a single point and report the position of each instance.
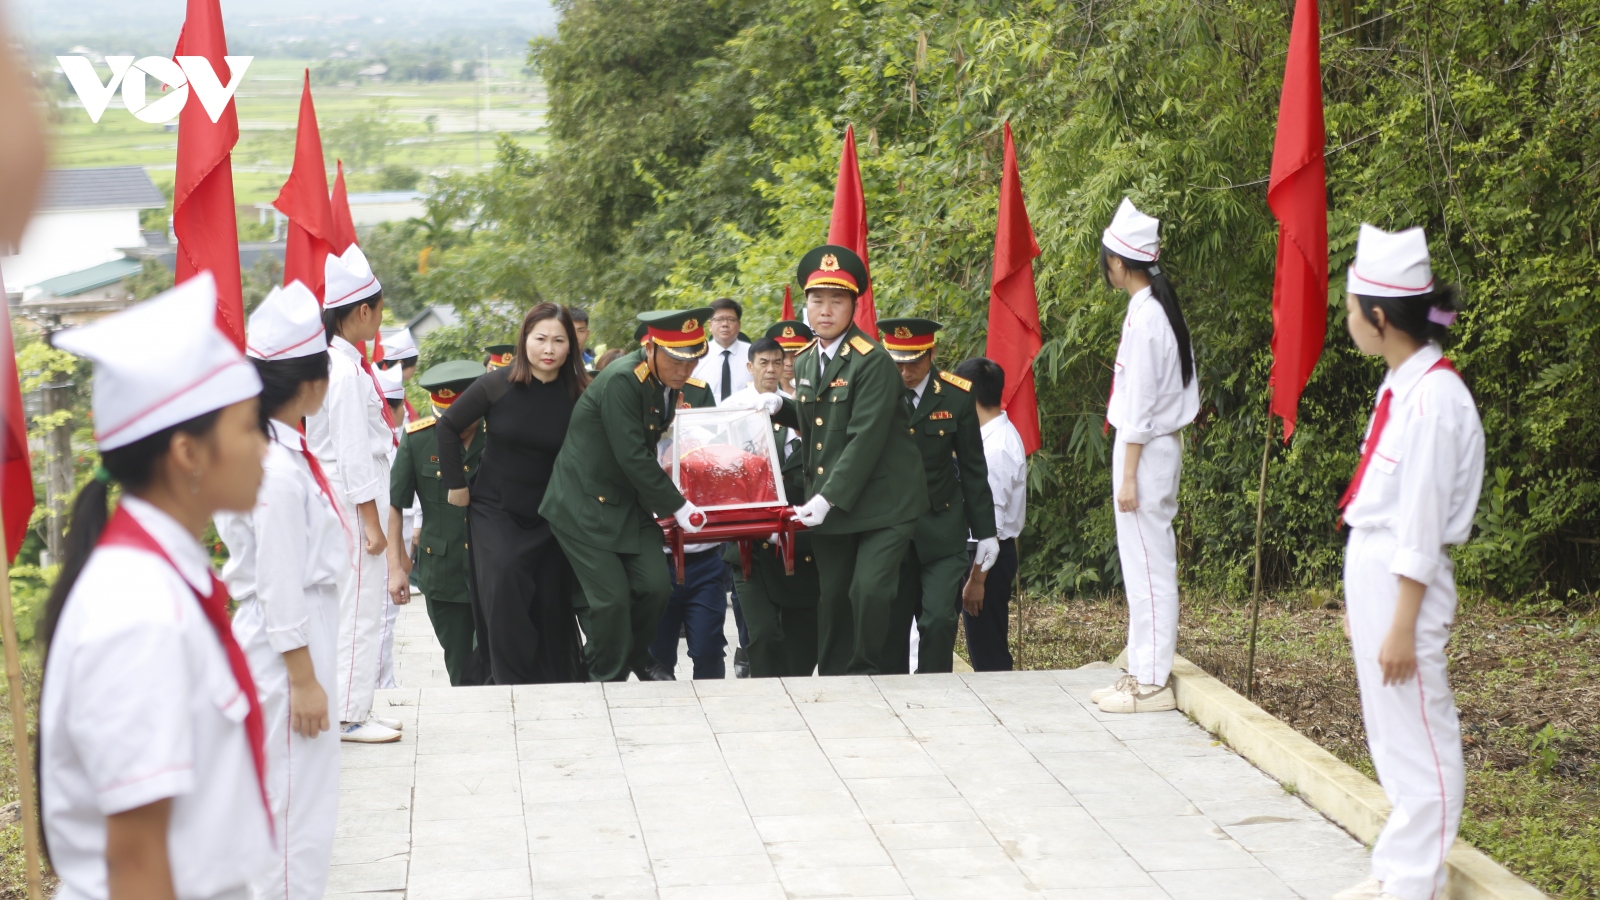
(1154, 269)
(102, 474)
(1445, 317)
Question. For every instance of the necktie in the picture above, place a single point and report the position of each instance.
(383, 404)
(911, 399)
(1380, 418)
(727, 375)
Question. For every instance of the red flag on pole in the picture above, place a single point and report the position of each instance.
(788, 306)
(304, 199)
(16, 471)
(1298, 196)
(344, 224)
(849, 225)
(1014, 332)
(203, 214)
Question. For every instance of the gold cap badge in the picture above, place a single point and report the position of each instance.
(788, 331)
(830, 263)
(691, 325)
(446, 393)
(902, 332)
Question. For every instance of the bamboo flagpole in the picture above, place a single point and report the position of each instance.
(19, 734)
(1255, 595)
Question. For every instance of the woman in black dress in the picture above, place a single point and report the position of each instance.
(524, 583)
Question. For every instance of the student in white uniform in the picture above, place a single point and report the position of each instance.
(1155, 392)
(151, 737)
(352, 435)
(392, 382)
(284, 560)
(1413, 494)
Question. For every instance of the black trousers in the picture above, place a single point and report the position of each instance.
(988, 643)
(525, 587)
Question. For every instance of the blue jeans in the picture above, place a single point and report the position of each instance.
(699, 606)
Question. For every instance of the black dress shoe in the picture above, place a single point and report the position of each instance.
(655, 672)
(741, 663)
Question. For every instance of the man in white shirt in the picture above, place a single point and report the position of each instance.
(986, 616)
(726, 367)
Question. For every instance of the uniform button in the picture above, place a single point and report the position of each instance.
(652, 428)
(819, 420)
(819, 470)
(912, 430)
(765, 545)
(430, 551)
(602, 499)
(467, 546)
(941, 432)
(819, 445)
(808, 559)
(464, 468)
(436, 473)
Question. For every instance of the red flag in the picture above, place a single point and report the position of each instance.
(16, 471)
(1298, 195)
(203, 215)
(344, 224)
(1014, 333)
(304, 199)
(849, 225)
(788, 306)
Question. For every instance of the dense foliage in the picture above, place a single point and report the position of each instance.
(692, 153)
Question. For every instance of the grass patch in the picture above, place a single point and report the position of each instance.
(13, 874)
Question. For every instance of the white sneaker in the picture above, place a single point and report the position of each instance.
(1371, 889)
(385, 721)
(1142, 698)
(1123, 683)
(367, 733)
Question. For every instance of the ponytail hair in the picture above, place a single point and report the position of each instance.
(1161, 288)
(1425, 317)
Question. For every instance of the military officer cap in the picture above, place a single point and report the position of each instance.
(500, 355)
(832, 266)
(681, 333)
(445, 381)
(640, 333)
(790, 335)
(908, 339)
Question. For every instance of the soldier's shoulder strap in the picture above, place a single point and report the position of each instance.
(956, 380)
(862, 345)
(809, 344)
(697, 383)
(418, 425)
(642, 372)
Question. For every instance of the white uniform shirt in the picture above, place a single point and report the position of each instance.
(709, 369)
(291, 542)
(1008, 475)
(349, 435)
(1427, 470)
(140, 705)
(922, 386)
(1148, 396)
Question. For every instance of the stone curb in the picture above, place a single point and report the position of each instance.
(1335, 789)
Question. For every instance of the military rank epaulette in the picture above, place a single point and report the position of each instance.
(862, 345)
(418, 425)
(696, 382)
(809, 344)
(642, 372)
(956, 380)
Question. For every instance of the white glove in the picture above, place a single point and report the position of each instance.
(813, 511)
(687, 512)
(769, 402)
(988, 552)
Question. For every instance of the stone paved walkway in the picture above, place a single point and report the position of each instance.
(984, 786)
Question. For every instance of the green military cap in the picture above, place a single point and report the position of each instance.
(832, 266)
(790, 334)
(500, 355)
(445, 381)
(908, 339)
(680, 332)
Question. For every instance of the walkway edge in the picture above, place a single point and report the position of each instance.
(1334, 788)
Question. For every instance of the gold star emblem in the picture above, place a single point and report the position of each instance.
(788, 331)
(691, 325)
(830, 263)
(902, 332)
(446, 393)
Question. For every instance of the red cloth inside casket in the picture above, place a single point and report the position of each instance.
(720, 475)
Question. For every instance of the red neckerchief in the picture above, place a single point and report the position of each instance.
(1380, 418)
(411, 412)
(383, 403)
(125, 531)
(321, 478)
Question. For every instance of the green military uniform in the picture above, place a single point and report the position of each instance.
(945, 426)
(857, 453)
(606, 490)
(441, 542)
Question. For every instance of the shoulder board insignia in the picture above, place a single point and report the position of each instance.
(941, 414)
(697, 383)
(642, 372)
(862, 345)
(809, 344)
(418, 425)
(956, 380)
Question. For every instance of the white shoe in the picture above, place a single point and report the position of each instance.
(385, 721)
(1142, 698)
(1123, 683)
(367, 733)
(1371, 889)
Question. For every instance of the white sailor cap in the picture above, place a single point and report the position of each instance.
(160, 363)
(1390, 264)
(400, 345)
(287, 325)
(349, 279)
(392, 380)
(1132, 234)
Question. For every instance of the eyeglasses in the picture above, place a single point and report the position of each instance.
(724, 320)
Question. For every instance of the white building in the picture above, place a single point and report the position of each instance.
(86, 217)
(366, 210)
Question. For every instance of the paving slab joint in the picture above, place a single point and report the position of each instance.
(1332, 787)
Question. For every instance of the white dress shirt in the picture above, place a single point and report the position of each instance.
(1148, 396)
(922, 385)
(709, 369)
(1008, 475)
(140, 705)
(290, 543)
(349, 434)
(1427, 470)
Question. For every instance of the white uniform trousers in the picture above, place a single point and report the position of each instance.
(1412, 728)
(363, 594)
(1148, 549)
(302, 774)
(386, 644)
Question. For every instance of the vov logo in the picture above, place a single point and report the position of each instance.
(186, 72)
